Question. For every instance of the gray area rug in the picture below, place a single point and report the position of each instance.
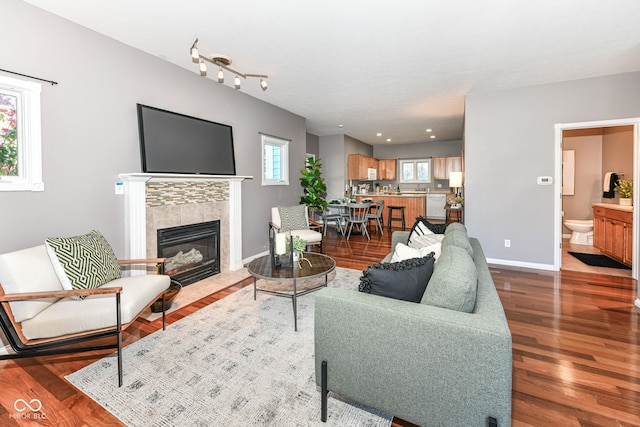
(237, 362)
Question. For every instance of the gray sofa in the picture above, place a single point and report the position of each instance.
(428, 365)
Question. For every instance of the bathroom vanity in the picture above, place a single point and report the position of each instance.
(613, 231)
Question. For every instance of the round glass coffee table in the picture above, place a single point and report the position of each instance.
(321, 265)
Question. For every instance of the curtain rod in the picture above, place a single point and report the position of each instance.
(31, 77)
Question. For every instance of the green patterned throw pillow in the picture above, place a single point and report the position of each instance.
(293, 217)
(83, 262)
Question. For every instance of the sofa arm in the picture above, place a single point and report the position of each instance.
(424, 364)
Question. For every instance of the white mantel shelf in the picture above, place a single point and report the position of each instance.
(177, 177)
(135, 219)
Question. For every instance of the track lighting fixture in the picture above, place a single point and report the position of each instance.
(223, 62)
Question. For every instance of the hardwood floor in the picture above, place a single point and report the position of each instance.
(576, 349)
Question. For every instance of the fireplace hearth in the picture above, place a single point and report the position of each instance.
(192, 251)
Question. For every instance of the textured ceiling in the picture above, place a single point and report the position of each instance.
(396, 68)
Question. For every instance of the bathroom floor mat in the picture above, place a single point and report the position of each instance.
(597, 260)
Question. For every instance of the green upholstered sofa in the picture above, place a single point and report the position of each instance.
(425, 364)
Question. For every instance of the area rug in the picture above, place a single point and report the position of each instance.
(237, 362)
(597, 260)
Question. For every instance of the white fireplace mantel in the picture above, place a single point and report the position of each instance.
(135, 218)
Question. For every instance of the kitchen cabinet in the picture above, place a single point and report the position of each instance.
(359, 165)
(387, 169)
(443, 166)
(613, 232)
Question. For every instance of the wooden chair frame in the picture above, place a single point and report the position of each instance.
(65, 344)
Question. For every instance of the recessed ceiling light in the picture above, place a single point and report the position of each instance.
(432, 137)
(340, 126)
(428, 130)
(378, 134)
(388, 139)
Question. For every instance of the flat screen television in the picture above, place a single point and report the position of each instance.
(176, 143)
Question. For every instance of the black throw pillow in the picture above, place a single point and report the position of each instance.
(405, 280)
(435, 228)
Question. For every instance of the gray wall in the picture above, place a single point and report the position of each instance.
(89, 130)
(587, 177)
(333, 157)
(313, 144)
(509, 141)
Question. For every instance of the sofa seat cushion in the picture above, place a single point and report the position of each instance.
(69, 315)
(83, 262)
(454, 282)
(28, 270)
(404, 280)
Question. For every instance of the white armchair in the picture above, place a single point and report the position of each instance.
(295, 219)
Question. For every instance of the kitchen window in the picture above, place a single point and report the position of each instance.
(20, 145)
(275, 161)
(415, 171)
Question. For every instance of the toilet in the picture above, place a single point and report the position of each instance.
(581, 231)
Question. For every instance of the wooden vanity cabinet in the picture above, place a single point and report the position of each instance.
(613, 233)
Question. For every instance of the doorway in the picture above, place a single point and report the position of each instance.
(563, 128)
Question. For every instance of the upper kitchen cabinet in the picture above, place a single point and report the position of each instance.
(443, 166)
(359, 166)
(387, 169)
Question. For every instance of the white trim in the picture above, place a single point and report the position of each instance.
(284, 159)
(135, 215)
(559, 127)
(511, 263)
(29, 131)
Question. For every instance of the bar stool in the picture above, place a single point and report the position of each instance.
(393, 209)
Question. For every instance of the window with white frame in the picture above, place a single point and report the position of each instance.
(275, 161)
(20, 145)
(415, 171)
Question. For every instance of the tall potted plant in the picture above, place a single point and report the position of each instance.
(313, 186)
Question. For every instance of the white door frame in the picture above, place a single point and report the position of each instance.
(559, 128)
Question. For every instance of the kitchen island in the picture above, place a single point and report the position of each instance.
(415, 204)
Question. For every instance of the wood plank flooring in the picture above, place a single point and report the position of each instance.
(576, 349)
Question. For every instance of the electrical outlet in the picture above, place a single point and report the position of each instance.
(439, 185)
(507, 243)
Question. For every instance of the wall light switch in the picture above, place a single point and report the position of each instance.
(119, 187)
(439, 185)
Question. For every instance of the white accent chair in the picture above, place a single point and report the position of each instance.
(39, 317)
(308, 230)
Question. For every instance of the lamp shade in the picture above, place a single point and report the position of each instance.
(455, 179)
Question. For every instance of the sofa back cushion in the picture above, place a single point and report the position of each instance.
(28, 270)
(458, 238)
(454, 282)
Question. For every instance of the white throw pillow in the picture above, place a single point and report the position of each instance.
(418, 242)
(403, 252)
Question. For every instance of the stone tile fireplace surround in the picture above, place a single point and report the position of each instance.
(155, 201)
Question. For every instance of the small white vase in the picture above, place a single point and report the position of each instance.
(626, 202)
(296, 256)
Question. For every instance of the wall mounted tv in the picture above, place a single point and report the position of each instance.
(175, 143)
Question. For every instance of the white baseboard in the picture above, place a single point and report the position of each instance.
(512, 263)
(246, 261)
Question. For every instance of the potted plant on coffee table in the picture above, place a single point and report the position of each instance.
(625, 190)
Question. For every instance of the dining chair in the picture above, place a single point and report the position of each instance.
(375, 214)
(336, 215)
(358, 216)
